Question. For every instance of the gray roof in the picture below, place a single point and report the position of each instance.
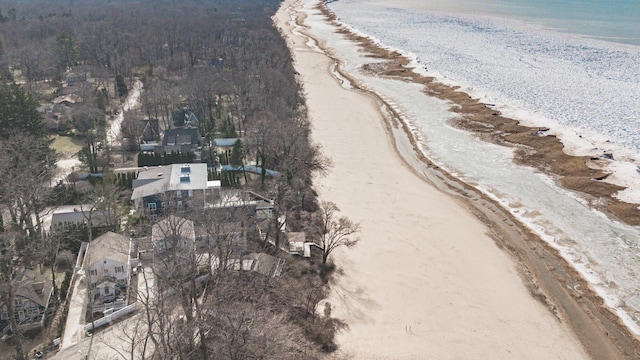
(181, 148)
(108, 246)
(297, 237)
(184, 118)
(72, 217)
(76, 214)
(181, 136)
(173, 225)
(157, 180)
(266, 264)
(33, 286)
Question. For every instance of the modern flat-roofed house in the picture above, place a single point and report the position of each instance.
(107, 266)
(179, 184)
(173, 232)
(32, 294)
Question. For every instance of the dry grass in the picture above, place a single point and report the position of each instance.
(66, 145)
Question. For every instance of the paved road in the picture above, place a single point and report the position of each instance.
(117, 341)
(132, 101)
(68, 165)
(74, 328)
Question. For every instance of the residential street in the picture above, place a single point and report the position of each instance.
(67, 165)
(113, 341)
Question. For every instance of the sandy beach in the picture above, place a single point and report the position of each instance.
(429, 279)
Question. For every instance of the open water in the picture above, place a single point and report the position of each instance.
(571, 65)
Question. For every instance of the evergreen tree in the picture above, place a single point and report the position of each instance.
(237, 157)
(237, 154)
(121, 86)
(66, 51)
(18, 112)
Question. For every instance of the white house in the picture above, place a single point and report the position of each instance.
(107, 266)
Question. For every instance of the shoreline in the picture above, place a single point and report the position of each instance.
(539, 262)
(504, 231)
(564, 292)
(549, 278)
(533, 148)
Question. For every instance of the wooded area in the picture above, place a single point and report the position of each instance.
(67, 68)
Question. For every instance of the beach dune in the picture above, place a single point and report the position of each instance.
(426, 280)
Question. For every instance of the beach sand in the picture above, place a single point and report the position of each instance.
(428, 279)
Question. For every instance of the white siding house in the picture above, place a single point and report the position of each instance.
(108, 267)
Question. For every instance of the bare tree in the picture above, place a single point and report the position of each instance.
(107, 200)
(8, 270)
(48, 249)
(26, 168)
(131, 129)
(332, 231)
(131, 337)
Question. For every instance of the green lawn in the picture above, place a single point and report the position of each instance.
(66, 145)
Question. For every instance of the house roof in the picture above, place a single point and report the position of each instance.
(69, 99)
(157, 180)
(110, 246)
(266, 264)
(225, 142)
(184, 118)
(297, 237)
(76, 214)
(150, 129)
(173, 225)
(178, 136)
(33, 286)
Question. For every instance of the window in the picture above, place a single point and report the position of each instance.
(151, 206)
(5, 315)
(179, 202)
(119, 269)
(153, 217)
(19, 316)
(179, 194)
(107, 290)
(93, 272)
(32, 311)
(17, 302)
